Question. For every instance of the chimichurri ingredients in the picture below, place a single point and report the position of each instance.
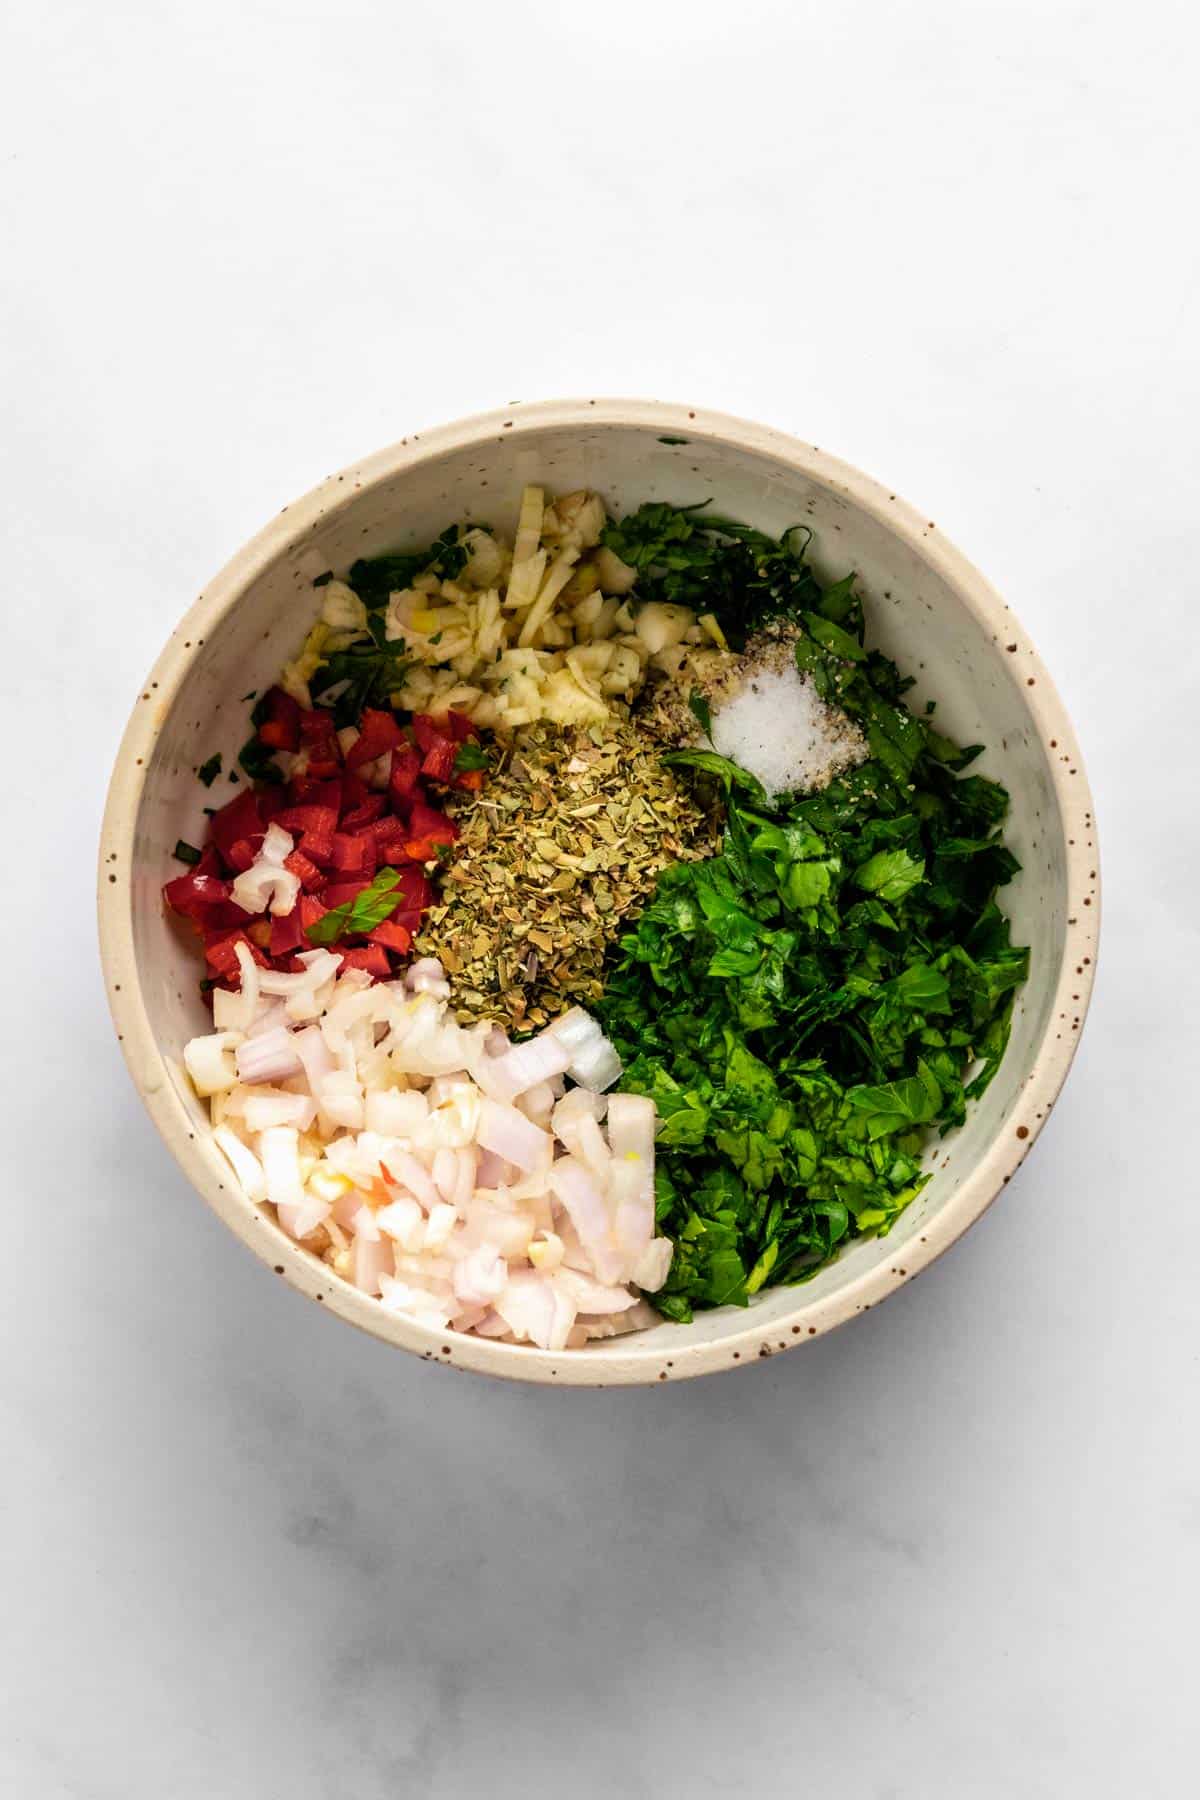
(456, 1177)
(806, 1006)
(566, 840)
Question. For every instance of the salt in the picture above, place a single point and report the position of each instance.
(775, 725)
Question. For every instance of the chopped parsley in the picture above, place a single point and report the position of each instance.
(208, 771)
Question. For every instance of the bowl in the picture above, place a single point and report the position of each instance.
(927, 607)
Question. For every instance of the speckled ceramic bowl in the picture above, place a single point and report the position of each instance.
(927, 607)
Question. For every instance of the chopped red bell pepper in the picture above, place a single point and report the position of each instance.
(416, 893)
(306, 790)
(427, 731)
(353, 855)
(287, 934)
(220, 952)
(391, 936)
(239, 856)
(457, 726)
(279, 727)
(354, 792)
(470, 780)
(309, 817)
(239, 819)
(271, 801)
(366, 814)
(373, 958)
(197, 896)
(316, 726)
(405, 775)
(426, 822)
(389, 830)
(317, 846)
(378, 732)
(210, 862)
(312, 878)
(438, 764)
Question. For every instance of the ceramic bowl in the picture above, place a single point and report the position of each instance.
(927, 607)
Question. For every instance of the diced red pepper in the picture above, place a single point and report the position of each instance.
(416, 893)
(316, 726)
(405, 774)
(309, 817)
(438, 764)
(280, 725)
(220, 952)
(427, 731)
(287, 934)
(470, 780)
(210, 862)
(378, 732)
(239, 856)
(308, 790)
(373, 958)
(239, 819)
(271, 801)
(391, 936)
(317, 846)
(457, 726)
(312, 878)
(426, 822)
(353, 855)
(366, 814)
(197, 896)
(354, 792)
(389, 830)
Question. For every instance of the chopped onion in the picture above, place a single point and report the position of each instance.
(210, 1062)
(512, 1136)
(269, 1057)
(243, 1162)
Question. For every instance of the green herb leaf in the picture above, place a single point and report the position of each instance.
(470, 756)
(701, 712)
(370, 908)
(187, 853)
(208, 771)
(727, 773)
(255, 759)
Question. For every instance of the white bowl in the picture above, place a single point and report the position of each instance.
(927, 607)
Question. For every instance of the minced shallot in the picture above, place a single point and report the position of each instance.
(453, 1176)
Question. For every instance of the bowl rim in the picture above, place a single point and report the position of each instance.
(619, 1361)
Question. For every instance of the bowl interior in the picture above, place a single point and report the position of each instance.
(923, 609)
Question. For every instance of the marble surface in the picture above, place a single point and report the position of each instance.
(950, 1551)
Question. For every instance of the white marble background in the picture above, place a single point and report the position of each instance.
(949, 1552)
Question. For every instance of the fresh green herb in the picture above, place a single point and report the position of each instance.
(208, 771)
(709, 763)
(806, 1006)
(469, 756)
(323, 580)
(673, 440)
(255, 759)
(249, 696)
(744, 577)
(365, 673)
(701, 712)
(368, 909)
(187, 853)
(375, 578)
